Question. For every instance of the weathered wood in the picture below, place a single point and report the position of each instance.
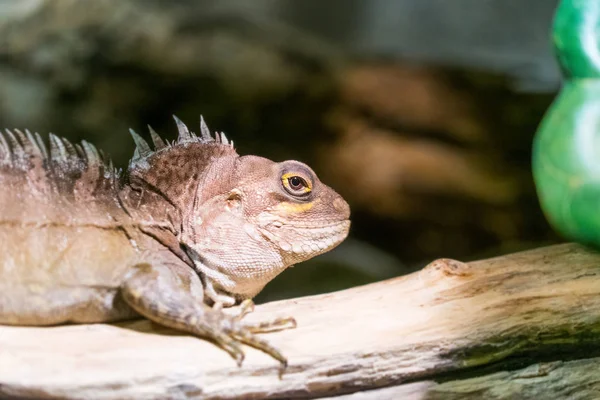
(579, 379)
(438, 323)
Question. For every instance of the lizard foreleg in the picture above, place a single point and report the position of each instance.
(173, 297)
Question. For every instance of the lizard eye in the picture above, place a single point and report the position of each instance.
(295, 184)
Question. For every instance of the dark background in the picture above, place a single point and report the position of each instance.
(421, 113)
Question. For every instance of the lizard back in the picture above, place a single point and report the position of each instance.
(65, 183)
(64, 251)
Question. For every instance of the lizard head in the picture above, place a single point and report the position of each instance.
(242, 220)
(292, 210)
(272, 216)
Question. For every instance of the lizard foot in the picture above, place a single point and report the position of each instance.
(154, 292)
(234, 332)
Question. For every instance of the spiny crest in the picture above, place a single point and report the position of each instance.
(22, 150)
(143, 150)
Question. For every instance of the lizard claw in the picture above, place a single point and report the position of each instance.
(232, 333)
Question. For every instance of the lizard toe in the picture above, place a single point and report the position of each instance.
(278, 324)
(231, 346)
(246, 308)
(247, 337)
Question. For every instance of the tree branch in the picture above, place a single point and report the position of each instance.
(447, 322)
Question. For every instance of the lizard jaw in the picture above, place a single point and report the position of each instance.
(308, 241)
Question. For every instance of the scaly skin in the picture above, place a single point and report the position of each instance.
(192, 227)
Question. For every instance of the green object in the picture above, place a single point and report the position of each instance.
(566, 149)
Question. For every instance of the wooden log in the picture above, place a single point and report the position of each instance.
(577, 379)
(443, 323)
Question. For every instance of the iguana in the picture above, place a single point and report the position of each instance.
(189, 228)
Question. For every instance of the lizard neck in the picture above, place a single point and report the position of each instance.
(170, 183)
(160, 195)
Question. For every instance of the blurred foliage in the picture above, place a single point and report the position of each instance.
(434, 158)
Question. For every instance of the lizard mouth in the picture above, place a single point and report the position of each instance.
(308, 239)
(317, 225)
(329, 236)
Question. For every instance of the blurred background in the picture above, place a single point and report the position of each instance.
(421, 113)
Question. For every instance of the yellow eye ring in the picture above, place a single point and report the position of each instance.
(296, 184)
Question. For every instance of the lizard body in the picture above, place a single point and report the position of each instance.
(191, 227)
